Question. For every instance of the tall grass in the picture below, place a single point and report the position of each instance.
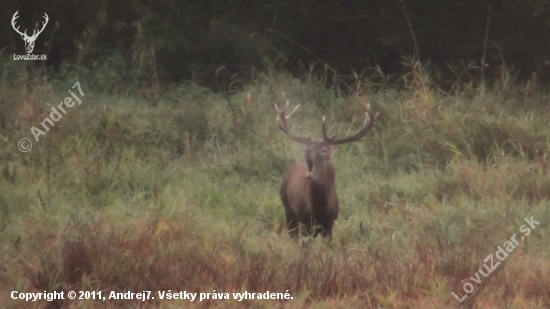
(181, 194)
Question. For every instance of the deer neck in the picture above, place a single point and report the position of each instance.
(322, 178)
(320, 188)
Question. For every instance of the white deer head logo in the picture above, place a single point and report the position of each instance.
(29, 40)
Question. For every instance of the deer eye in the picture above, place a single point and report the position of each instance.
(324, 151)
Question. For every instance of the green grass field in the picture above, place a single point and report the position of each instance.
(180, 193)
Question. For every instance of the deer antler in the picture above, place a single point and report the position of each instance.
(44, 23)
(370, 117)
(281, 121)
(13, 24)
(34, 33)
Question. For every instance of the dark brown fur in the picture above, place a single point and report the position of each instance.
(310, 198)
(308, 191)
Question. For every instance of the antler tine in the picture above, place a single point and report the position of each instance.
(36, 32)
(325, 136)
(278, 111)
(370, 118)
(281, 111)
(293, 111)
(16, 16)
(281, 121)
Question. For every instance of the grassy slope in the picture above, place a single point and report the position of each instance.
(183, 196)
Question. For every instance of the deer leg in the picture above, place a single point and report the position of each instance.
(293, 229)
(291, 222)
(327, 233)
(327, 229)
(307, 225)
(322, 230)
(305, 229)
(316, 233)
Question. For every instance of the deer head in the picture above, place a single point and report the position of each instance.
(308, 191)
(29, 40)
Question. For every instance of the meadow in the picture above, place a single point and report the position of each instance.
(179, 191)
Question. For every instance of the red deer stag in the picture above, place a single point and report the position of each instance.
(308, 191)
